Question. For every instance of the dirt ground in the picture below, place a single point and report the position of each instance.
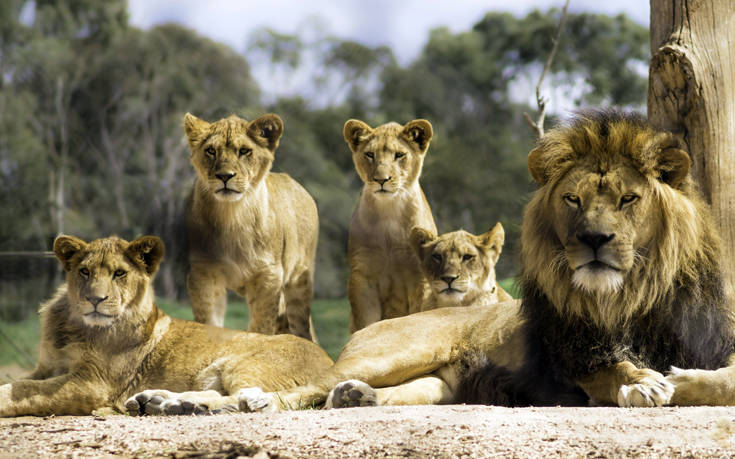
(415, 431)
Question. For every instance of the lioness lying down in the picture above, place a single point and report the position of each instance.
(103, 340)
(621, 281)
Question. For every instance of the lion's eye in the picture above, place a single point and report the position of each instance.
(84, 272)
(400, 155)
(467, 257)
(118, 274)
(572, 200)
(210, 151)
(369, 154)
(437, 258)
(245, 151)
(627, 199)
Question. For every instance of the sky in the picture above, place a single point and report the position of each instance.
(403, 25)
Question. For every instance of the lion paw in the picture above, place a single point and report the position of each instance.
(165, 402)
(253, 399)
(351, 393)
(648, 392)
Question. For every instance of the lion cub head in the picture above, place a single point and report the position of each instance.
(459, 266)
(388, 158)
(108, 279)
(232, 156)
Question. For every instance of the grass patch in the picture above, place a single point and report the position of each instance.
(19, 340)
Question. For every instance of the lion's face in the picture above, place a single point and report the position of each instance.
(457, 264)
(388, 158)
(607, 185)
(604, 220)
(232, 156)
(107, 278)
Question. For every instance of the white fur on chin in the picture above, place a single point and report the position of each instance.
(600, 281)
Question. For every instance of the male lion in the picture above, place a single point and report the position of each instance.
(621, 279)
(250, 230)
(460, 267)
(103, 339)
(385, 276)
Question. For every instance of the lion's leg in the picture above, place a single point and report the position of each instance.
(703, 387)
(264, 293)
(364, 302)
(299, 291)
(626, 385)
(423, 390)
(208, 293)
(66, 394)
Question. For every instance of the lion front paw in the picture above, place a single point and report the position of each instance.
(650, 391)
(169, 403)
(253, 399)
(351, 393)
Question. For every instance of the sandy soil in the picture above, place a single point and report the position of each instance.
(416, 431)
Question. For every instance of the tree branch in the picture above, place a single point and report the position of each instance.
(538, 125)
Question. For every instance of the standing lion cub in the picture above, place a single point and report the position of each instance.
(250, 230)
(385, 276)
(103, 339)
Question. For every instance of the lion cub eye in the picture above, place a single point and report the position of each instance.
(572, 200)
(118, 274)
(210, 151)
(627, 199)
(245, 152)
(467, 257)
(437, 258)
(84, 272)
(369, 154)
(400, 155)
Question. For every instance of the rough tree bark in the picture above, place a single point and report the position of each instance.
(692, 93)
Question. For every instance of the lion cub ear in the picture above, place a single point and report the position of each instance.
(419, 238)
(355, 132)
(65, 247)
(267, 130)
(493, 241)
(146, 252)
(193, 126)
(418, 132)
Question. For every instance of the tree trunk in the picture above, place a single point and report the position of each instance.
(692, 93)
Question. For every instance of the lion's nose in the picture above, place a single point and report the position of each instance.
(225, 176)
(449, 279)
(382, 180)
(595, 240)
(95, 300)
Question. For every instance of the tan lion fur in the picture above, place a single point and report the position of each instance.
(103, 339)
(250, 230)
(385, 276)
(459, 267)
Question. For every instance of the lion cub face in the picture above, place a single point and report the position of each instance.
(107, 278)
(606, 183)
(232, 156)
(457, 264)
(388, 158)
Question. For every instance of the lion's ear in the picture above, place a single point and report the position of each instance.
(673, 166)
(146, 252)
(419, 238)
(193, 126)
(418, 132)
(493, 241)
(355, 132)
(267, 130)
(65, 247)
(537, 165)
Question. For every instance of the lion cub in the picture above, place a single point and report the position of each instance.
(103, 339)
(460, 267)
(385, 275)
(250, 230)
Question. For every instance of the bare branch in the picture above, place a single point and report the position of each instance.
(538, 125)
